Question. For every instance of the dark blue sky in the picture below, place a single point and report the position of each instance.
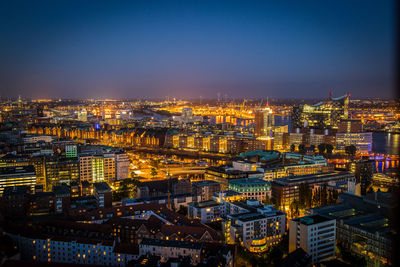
(117, 49)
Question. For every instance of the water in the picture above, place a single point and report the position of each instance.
(386, 143)
(382, 143)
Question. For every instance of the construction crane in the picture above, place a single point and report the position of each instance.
(244, 102)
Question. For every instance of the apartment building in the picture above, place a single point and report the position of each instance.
(315, 234)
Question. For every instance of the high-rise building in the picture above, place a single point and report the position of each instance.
(362, 141)
(15, 176)
(109, 167)
(121, 166)
(253, 225)
(286, 190)
(350, 126)
(325, 114)
(264, 122)
(61, 170)
(98, 168)
(85, 168)
(363, 172)
(103, 194)
(315, 234)
(71, 150)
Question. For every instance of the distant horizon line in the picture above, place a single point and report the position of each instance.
(184, 99)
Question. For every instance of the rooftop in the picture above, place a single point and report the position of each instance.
(248, 216)
(171, 243)
(313, 219)
(205, 183)
(263, 154)
(17, 170)
(205, 204)
(304, 178)
(246, 181)
(102, 187)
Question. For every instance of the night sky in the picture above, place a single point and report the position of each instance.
(188, 49)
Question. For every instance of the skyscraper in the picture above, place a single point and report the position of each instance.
(325, 114)
(264, 122)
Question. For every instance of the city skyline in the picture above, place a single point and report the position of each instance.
(196, 49)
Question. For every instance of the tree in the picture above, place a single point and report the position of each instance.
(126, 189)
(321, 148)
(366, 174)
(153, 172)
(294, 208)
(324, 195)
(335, 196)
(292, 148)
(276, 256)
(329, 149)
(351, 150)
(302, 149)
(183, 210)
(305, 196)
(267, 200)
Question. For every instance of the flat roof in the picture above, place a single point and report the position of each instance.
(205, 204)
(242, 181)
(313, 219)
(248, 216)
(303, 178)
(17, 170)
(205, 182)
(171, 243)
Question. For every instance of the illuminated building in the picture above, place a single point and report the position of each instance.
(62, 195)
(281, 140)
(171, 249)
(103, 195)
(206, 211)
(262, 156)
(296, 139)
(253, 225)
(98, 168)
(384, 182)
(227, 196)
(71, 150)
(204, 190)
(39, 164)
(362, 141)
(109, 167)
(187, 116)
(315, 234)
(363, 171)
(263, 123)
(363, 227)
(38, 138)
(286, 190)
(11, 160)
(325, 114)
(85, 168)
(251, 188)
(16, 176)
(223, 174)
(350, 126)
(61, 170)
(316, 139)
(121, 166)
(71, 250)
(82, 115)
